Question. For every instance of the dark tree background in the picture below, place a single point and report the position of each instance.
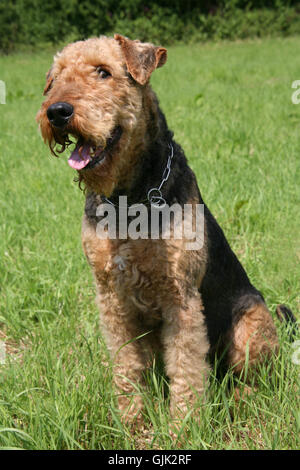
(37, 21)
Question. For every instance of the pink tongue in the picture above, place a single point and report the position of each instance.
(79, 160)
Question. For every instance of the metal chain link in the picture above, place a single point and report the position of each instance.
(154, 195)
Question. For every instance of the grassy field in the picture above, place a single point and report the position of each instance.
(230, 107)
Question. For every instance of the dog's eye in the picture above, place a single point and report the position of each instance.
(103, 73)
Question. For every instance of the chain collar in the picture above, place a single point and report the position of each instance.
(154, 195)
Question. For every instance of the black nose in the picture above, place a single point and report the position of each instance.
(60, 113)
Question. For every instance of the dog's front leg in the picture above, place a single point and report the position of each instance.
(186, 346)
(121, 331)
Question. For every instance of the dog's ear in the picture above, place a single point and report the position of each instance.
(49, 82)
(141, 58)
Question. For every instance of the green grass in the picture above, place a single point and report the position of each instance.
(230, 107)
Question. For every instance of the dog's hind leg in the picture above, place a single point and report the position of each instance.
(253, 339)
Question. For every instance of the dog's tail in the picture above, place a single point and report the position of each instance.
(286, 315)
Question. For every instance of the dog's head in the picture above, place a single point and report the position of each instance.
(98, 100)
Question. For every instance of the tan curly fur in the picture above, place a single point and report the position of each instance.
(254, 335)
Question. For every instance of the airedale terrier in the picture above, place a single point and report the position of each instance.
(153, 294)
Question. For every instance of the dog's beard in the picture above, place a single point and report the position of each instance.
(86, 153)
(57, 142)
